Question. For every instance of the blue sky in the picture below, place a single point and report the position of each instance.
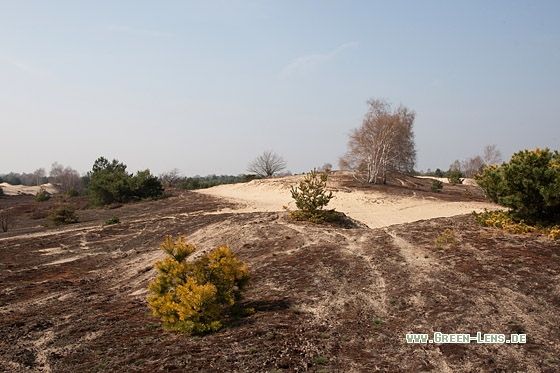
(206, 86)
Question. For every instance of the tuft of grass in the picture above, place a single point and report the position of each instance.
(251, 350)
(320, 360)
(467, 194)
(317, 217)
(113, 220)
(447, 237)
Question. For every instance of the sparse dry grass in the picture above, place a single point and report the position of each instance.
(73, 298)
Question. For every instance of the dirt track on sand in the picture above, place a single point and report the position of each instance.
(327, 299)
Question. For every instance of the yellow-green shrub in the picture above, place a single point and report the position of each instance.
(192, 297)
(503, 220)
(554, 232)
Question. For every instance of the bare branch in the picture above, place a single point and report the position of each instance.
(267, 164)
(492, 155)
(170, 178)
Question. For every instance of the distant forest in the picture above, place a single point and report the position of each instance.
(203, 182)
(80, 182)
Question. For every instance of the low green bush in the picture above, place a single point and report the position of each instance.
(437, 186)
(62, 213)
(42, 195)
(529, 184)
(113, 220)
(72, 192)
(455, 177)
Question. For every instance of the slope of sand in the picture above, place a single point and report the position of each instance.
(14, 190)
(372, 208)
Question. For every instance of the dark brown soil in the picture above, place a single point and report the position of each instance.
(327, 299)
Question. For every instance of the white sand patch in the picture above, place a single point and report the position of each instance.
(14, 190)
(51, 251)
(372, 208)
(466, 181)
(65, 260)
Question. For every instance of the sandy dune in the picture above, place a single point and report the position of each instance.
(14, 190)
(374, 209)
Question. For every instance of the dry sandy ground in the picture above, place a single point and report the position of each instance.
(326, 298)
(373, 208)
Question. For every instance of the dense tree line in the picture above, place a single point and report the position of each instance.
(28, 179)
(203, 182)
(66, 178)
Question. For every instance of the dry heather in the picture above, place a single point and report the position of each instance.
(327, 298)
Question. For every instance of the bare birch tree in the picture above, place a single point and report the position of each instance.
(492, 155)
(384, 142)
(65, 177)
(472, 166)
(39, 174)
(267, 164)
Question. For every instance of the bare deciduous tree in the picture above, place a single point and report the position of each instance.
(65, 177)
(384, 141)
(170, 178)
(327, 167)
(455, 166)
(472, 166)
(55, 176)
(71, 179)
(267, 164)
(492, 155)
(38, 175)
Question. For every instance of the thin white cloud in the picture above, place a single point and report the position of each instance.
(134, 31)
(26, 66)
(307, 62)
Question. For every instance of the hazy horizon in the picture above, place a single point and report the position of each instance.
(207, 86)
